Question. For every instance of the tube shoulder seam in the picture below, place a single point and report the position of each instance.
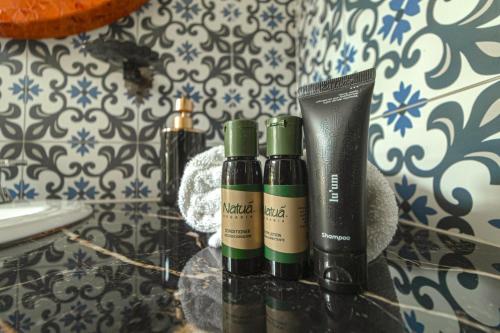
(336, 83)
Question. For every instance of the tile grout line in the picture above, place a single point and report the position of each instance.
(432, 99)
(373, 296)
(232, 84)
(23, 145)
(137, 107)
(450, 233)
(108, 142)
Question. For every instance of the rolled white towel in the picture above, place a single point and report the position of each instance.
(199, 193)
(199, 201)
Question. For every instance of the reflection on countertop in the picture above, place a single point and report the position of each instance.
(138, 267)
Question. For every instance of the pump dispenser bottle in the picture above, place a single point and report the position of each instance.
(285, 209)
(241, 199)
(179, 143)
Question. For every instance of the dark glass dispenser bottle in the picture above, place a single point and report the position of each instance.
(179, 144)
(241, 194)
(285, 209)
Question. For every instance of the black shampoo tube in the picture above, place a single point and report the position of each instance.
(336, 115)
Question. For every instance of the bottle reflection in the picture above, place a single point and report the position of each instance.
(358, 312)
(262, 304)
(167, 245)
(243, 304)
(340, 314)
(283, 308)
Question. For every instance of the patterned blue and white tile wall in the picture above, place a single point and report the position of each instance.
(70, 117)
(69, 114)
(440, 61)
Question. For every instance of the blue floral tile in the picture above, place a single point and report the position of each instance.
(273, 57)
(319, 41)
(22, 191)
(80, 92)
(81, 190)
(274, 100)
(25, 89)
(231, 11)
(195, 63)
(79, 263)
(61, 171)
(264, 61)
(137, 212)
(412, 325)
(78, 42)
(84, 92)
(187, 9)
(79, 319)
(188, 52)
(232, 98)
(190, 91)
(83, 142)
(20, 322)
(136, 190)
(272, 16)
(397, 24)
(404, 98)
(346, 59)
(411, 205)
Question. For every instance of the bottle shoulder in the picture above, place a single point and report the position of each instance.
(241, 171)
(287, 171)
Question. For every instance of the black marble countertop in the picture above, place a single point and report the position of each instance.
(139, 268)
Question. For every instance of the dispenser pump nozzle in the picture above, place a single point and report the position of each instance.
(184, 107)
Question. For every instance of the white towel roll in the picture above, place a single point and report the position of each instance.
(199, 201)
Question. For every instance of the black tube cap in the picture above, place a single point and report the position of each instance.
(344, 273)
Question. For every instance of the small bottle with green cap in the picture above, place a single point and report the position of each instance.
(241, 195)
(285, 208)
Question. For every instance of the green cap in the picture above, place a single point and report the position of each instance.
(240, 138)
(284, 135)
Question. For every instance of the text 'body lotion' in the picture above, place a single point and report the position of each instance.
(285, 209)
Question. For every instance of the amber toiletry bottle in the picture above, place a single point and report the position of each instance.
(241, 194)
(285, 210)
(178, 144)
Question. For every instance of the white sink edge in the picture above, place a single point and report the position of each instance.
(60, 214)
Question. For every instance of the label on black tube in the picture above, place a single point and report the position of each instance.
(241, 210)
(285, 227)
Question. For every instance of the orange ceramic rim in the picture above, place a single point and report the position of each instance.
(33, 19)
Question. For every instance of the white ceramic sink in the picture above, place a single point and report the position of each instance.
(21, 219)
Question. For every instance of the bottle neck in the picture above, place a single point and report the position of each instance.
(234, 158)
(183, 120)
